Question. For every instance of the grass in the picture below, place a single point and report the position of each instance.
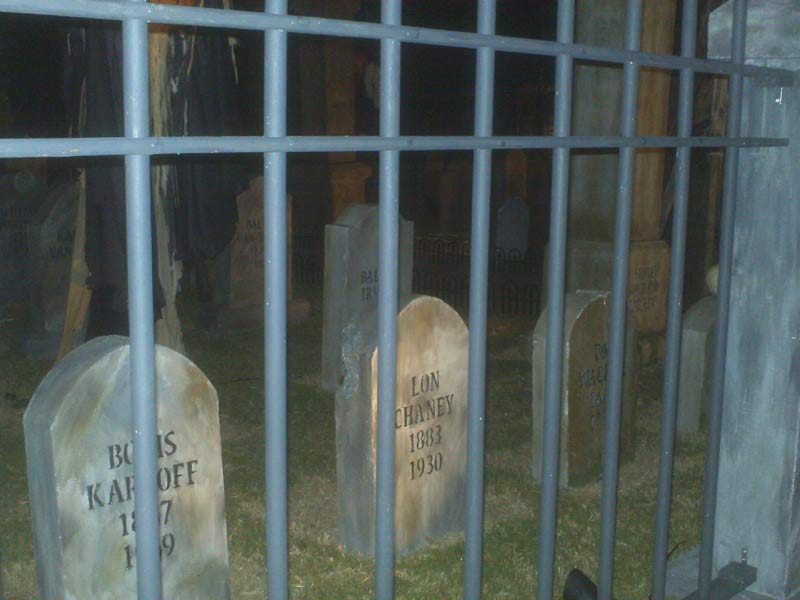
(318, 566)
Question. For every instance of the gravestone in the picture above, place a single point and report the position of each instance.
(583, 396)
(50, 241)
(697, 351)
(758, 500)
(19, 201)
(351, 278)
(430, 426)
(589, 266)
(80, 477)
(245, 304)
(511, 231)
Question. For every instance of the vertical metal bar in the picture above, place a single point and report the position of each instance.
(619, 297)
(387, 307)
(140, 309)
(275, 308)
(723, 301)
(555, 308)
(479, 282)
(675, 306)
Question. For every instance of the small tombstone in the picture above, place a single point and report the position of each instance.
(246, 287)
(78, 445)
(351, 278)
(697, 349)
(430, 426)
(511, 237)
(583, 396)
(50, 242)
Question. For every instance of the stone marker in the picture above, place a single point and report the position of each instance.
(697, 351)
(589, 266)
(430, 426)
(50, 241)
(511, 231)
(80, 477)
(351, 278)
(583, 398)
(758, 500)
(246, 292)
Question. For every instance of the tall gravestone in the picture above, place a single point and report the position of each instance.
(583, 385)
(758, 501)
(79, 452)
(430, 426)
(351, 278)
(245, 303)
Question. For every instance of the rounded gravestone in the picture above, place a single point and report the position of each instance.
(430, 426)
(583, 388)
(80, 477)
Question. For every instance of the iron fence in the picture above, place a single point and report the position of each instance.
(138, 146)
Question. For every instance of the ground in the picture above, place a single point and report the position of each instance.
(318, 566)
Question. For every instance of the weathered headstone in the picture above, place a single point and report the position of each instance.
(430, 426)
(79, 452)
(351, 278)
(697, 342)
(589, 266)
(511, 237)
(583, 397)
(246, 282)
(50, 241)
(758, 500)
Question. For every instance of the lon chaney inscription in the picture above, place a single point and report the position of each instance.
(117, 493)
(423, 444)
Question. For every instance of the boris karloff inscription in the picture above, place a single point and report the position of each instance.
(82, 489)
(429, 424)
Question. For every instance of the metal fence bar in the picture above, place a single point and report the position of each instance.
(275, 310)
(388, 223)
(619, 302)
(140, 302)
(75, 147)
(731, 170)
(176, 15)
(674, 308)
(478, 287)
(555, 309)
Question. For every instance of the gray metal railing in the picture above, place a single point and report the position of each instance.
(137, 146)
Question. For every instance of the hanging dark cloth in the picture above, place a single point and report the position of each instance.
(204, 102)
(92, 89)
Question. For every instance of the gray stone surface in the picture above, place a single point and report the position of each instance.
(682, 578)
(758, 505)
(430, 426)
(597, 89)
(583, 397)
(589, 267)
(351, 279)
(511, 231)
(80, 477)
(697, 347)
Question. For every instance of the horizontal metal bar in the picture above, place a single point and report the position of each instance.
(234, 19)
(115, 146)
